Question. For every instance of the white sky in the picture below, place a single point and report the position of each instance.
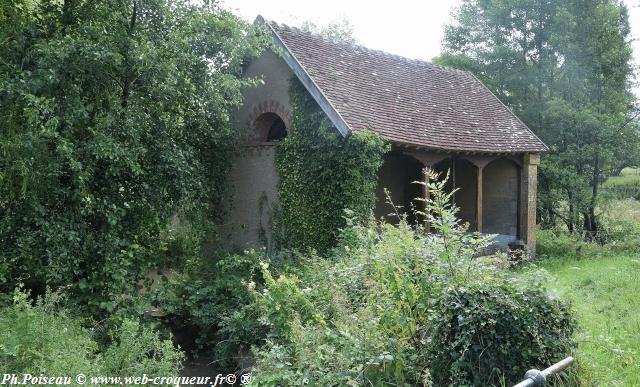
(411, 28)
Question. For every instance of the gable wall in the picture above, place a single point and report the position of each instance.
(253, 179)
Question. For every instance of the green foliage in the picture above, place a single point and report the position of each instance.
(384, 310)
(619, 233)
(485, 333)
(601, 282)
(321, 175)
(565, 68)
(136, 349)
(603, 292)
(559, 243)
(115, 118)
(210, 298)
(624, 186)
(42, 338)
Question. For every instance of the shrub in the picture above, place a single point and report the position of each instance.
(113, 122)
(620, 226)
(43, 338)
(490, 333)
(39, 339)
(136, 349)
(619, 233)
(204, 296)
(394, 305)
(558, 244)
(326, 325)
(625, 186)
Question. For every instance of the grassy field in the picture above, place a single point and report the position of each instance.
(625, 209)
(603, 285)
(626, 185)
(605, 295)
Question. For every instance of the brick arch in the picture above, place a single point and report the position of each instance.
(268, 106)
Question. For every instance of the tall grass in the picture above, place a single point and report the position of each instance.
(626, 185)
(604, 294)
(601, 281)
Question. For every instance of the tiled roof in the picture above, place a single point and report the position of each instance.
(408, 102)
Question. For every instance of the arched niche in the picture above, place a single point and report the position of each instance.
(266, 128)
(270, 127)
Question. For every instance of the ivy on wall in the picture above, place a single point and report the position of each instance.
(321, 175)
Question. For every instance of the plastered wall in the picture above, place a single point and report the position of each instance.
(500, 198)
(253, 178)
(395, 175)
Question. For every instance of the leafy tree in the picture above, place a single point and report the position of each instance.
(565, 68)
(115, 119)
(337, 31)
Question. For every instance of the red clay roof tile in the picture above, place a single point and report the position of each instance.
(408, 102)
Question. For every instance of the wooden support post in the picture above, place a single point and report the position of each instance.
(479, 201)
(453, 180)
(425, 193)
(528, 187)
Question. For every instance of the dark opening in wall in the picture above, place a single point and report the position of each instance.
(271, 127)
(463, 177)
(397, 175)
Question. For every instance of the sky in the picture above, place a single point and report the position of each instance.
(410, 28)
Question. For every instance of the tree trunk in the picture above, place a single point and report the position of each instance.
(127, 78)
(590, 221)
(572, 214)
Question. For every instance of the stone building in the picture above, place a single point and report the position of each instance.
(433, 116)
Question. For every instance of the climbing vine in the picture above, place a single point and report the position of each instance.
(322, 174)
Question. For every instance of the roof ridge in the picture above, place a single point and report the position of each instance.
(403, 100)
(363, 47)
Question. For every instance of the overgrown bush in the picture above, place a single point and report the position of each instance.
(625, 186)
(489, 333)
(556, 243)
(335, 324)
(115, 118)
(394, 305)
(43, 338)
(617, 235)
(204, 296)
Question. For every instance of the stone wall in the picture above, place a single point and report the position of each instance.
(254, 183)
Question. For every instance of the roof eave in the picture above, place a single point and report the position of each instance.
(304, 77)
(409, 145)
(545, 148)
